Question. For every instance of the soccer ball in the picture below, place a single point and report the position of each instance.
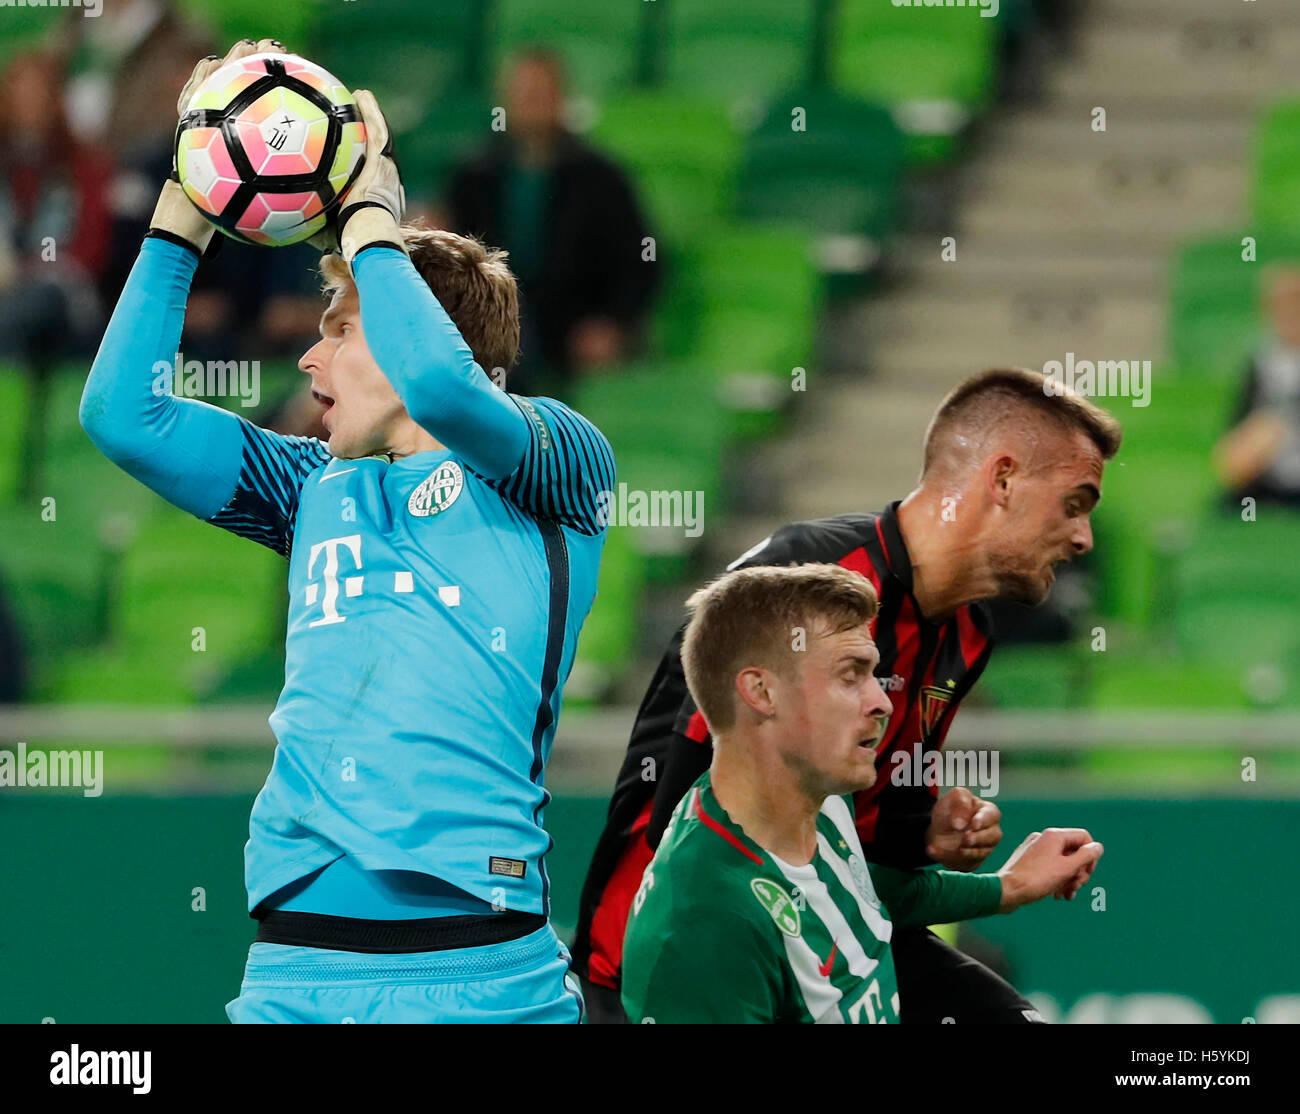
(267, 146)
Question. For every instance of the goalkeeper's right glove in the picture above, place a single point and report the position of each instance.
(176, 218)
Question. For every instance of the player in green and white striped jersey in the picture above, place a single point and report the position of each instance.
(759, 905)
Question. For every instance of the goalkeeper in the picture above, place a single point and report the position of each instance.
(443, 548)
(758, 905)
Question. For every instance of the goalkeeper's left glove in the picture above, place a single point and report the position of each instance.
(373, 209)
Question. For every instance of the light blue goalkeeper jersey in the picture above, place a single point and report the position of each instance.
(435, 599)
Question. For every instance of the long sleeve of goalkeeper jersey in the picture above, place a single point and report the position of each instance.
(537, 453)
(203, 459)
(921, 897)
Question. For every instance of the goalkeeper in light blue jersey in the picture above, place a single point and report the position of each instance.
(443, 549)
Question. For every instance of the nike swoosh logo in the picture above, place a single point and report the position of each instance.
(825, 969)
(331, 475)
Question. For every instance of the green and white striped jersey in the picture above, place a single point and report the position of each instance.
(721, 930)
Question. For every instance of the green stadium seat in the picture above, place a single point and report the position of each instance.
(1144, 678)
(1237, 602)
(682, 155)
(1214, 319)
(1156, 489)
(740, 51)
(839, 177)
(1277, 167)
(1037, 676)
(454, 129)
(603, 45)
(668, 431)
(410, 53)
(933, 66)
(759, 297)
(232, 20)
(610, 636)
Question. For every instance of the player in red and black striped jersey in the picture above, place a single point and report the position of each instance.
(1012, 472)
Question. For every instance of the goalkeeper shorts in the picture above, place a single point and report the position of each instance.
(522, 980)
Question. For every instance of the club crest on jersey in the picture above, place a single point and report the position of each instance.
(934, 699)
(779, 904)
(862, 880)
(438, 492)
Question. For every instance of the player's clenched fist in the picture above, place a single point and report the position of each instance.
(963, 830)
(1054, 861)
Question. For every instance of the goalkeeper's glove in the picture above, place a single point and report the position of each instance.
(373, 209)
(175, 218)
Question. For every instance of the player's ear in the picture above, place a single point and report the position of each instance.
(753, 688)
(1003, 471)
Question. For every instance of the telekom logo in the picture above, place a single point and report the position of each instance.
(330, 574)
(403, 580)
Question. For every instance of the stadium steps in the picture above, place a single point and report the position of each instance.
(1193, 66)
(1025, 268)
(1028, 287)
(1163, 13)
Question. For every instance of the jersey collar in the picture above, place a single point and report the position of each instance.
(706, 809)
(891, 541)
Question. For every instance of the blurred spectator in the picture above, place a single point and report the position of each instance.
(54, 239)
(95, 51)
(13, 662)
(1259, 456)
(54, 222)
(13, 666)
(570, 221)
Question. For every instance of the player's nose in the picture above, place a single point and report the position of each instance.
(1082, 539)
(311, 358)
(877, 701)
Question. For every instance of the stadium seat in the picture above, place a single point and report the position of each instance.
(759, 296)
(452, 129)
(682, 155)
(740, 51)
(410, 53)
(610, 636)
(232, 20)
(838, 178)
(1277, 167)
(1214, 317)
(933, 66)
(1156, 489)
(603, 45)
(668, 431)
(1237, 590)
(1037, 676)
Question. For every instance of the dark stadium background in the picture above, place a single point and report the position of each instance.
(820, 249)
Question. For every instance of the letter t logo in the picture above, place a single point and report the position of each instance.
(330, 574)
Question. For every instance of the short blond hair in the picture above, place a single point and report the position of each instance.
(473, 283)
(748, 617)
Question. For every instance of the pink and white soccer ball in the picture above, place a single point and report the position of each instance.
(267, 146)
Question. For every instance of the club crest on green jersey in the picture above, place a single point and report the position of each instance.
(862, 881)
(438, 492)
(779, 904)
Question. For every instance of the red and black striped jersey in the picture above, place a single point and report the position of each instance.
(926, 668)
